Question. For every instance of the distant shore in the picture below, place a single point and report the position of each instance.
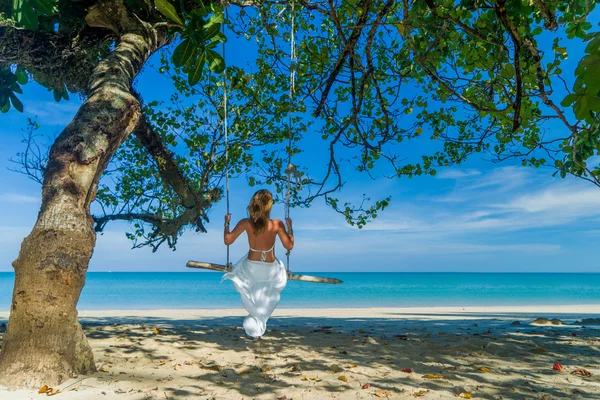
(341, 353)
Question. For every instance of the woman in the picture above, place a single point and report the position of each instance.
(259, 276)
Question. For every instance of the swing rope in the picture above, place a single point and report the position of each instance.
(291, 169)
(226, 134)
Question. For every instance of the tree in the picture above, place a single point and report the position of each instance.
(373, 73)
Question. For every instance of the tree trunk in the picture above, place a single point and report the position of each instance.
(44, 343)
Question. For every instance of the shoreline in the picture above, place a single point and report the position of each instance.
(349, 312)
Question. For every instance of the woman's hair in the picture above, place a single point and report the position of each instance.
(259, 210)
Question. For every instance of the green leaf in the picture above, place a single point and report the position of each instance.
(569, 99)
(44, 6)
(16, 88)
(22, 77)
(216, 63)
(183, 52)
(195, 73)
(24, 15)
(16, 102)
(167, 9)
(217, 18)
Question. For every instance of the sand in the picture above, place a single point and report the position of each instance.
(451, 353)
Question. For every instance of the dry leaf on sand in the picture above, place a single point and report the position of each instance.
(420, 393)
(465, 395)
(433, 376)
(334, 369)
(582, 372)
(484, 369)
(342, 378)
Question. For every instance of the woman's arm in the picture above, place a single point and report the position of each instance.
(287, 238)
(230, 237)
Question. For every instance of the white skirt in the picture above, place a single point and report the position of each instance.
(260, 285)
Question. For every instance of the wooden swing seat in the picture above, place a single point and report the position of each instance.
(293, 277)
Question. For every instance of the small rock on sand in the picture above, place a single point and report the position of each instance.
(546, 321)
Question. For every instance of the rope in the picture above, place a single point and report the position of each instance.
(226, 134)
(291, 169)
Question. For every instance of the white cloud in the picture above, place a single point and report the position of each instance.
(571, 198)
(457, 173)
(18, 198)
(50, 112)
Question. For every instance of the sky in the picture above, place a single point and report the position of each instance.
(479, 217)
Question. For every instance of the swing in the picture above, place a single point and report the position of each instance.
(289, 171)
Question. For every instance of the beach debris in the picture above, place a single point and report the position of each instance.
(343, 352)
(433, 376)
(296, 368)
(213, 367)
(342, 378)
(157, 331)
(284, 398)
(516, 323)
(334, 369)
(407, 370)
(484, 369)
(465, 395)
(234, 328)
(323, 329)
(541, 349)
(48, 391)
(582, 372)
(366, 386)
(352, 366)
(401, 337)
(383, 393)
(249, 370)
(312, 378)
(546, 321)
(420, 393)
(557, 366)
(574, 334)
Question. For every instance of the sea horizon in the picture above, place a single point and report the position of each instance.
(144, 290)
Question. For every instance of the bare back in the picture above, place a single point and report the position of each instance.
(264, 241)
(262, 246)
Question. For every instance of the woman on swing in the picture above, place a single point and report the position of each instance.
(259, 276)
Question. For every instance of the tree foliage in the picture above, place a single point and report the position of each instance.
(479, 76)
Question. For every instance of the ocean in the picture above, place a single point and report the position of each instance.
(199, 289)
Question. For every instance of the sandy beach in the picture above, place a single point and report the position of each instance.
(365, 353)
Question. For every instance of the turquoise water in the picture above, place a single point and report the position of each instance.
(153, 290)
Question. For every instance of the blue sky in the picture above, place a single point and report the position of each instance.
(479, 217)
